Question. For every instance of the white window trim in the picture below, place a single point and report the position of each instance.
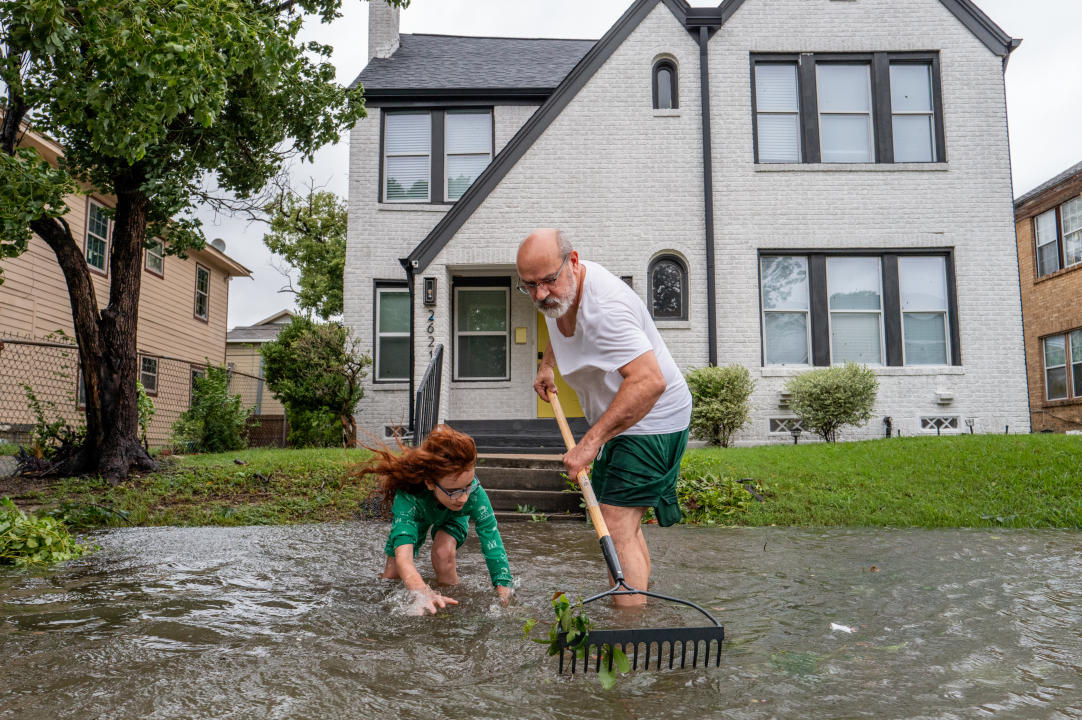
(427, 156)
(879, 312)
(447, 155)
(1066, 367)
(195, 309)
(807, 316)
(106, 240)
(484, 333)
(160, 255)
(142, 372)
(1064, 234)
(930, 113)
(380, 335)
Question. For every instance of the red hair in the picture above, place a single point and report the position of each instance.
(444, 452)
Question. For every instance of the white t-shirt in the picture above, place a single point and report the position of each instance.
(613, 327)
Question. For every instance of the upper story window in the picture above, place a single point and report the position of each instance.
(155, 258)
(667, 279)
(664, 84)
(1058, 234)
(839, 108)
(433, 156)
(202, 292)
(98, 226)
(891, 308)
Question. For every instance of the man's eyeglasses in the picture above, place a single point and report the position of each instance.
(455, 494)
(526, 287)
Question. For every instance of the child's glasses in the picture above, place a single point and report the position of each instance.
(455, 494)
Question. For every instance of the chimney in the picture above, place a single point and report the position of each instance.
(382, 29)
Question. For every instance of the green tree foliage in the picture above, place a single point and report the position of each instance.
(317, 368)
(829, 398)
(310, 233)
(150, 102)
(719, 397)
(216, 420)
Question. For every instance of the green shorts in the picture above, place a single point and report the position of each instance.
(641, 471)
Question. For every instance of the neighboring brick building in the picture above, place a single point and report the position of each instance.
(841, 193)
(1048, 222)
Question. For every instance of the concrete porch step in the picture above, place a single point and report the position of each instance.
(502, 516)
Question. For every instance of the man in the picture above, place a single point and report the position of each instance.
(634, 396)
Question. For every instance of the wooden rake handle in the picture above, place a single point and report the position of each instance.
(602, 530)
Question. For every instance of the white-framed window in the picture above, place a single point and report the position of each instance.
(481, 332)
(922, 284)
(155, 258)
(407, 161)
(786, 312)
(1045, 226)
(148, 374)
(468, 142)
(1075, 338)
(786, 425)
(202, 292)
(939, 423)
(845, 113)
(1071, 214)
(392, 362)
(1055, 367)
(777, 112)
(98, 226)
(855, 299)
(912, 110)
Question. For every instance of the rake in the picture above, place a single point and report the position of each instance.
(702, 645)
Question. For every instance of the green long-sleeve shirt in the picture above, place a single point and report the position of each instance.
(416, 516)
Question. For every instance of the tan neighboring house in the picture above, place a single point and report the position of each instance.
(183, 306)
(1048, 223)
(242, 345)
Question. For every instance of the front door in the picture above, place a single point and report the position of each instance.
(569, 401)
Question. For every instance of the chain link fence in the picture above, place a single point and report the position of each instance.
(50, 369)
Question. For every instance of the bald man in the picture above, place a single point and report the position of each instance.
(639, 407)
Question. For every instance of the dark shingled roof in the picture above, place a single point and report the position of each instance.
(1065, 175)
(448, 62)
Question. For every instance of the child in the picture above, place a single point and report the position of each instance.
(432, 489)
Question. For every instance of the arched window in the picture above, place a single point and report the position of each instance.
(668, 288)
(665, 86)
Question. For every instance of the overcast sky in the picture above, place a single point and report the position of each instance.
(1044, 98)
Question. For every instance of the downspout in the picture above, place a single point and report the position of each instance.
(409, 266)
(708, 196)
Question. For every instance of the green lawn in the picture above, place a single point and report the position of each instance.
(956, 481)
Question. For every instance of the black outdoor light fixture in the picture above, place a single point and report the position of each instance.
(795, 432)
(429, 292)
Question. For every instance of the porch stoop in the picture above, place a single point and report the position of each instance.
(530, 481)
(517, 437)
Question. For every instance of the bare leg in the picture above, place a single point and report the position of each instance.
(443, 558)
(625, 526)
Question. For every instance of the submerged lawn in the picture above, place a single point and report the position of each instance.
(956, 481)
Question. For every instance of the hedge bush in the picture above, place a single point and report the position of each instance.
(719, 402)
(829, 398)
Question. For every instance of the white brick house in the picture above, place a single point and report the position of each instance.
(848, 197)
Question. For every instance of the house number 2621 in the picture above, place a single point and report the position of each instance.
(431, 329)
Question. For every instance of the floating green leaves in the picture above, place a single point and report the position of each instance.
(571, 620)
(32, 540)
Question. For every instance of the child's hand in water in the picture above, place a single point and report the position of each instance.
(430, 601)
(505, 594)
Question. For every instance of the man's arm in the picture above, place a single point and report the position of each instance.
(642, 385)
(546, 376)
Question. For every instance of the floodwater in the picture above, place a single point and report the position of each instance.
(292, 622)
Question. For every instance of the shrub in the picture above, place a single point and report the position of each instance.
(313, 428)
(828, 398)
(32, 540)
(709, 499)
(719, 402)
(216, 420)
(146, 413)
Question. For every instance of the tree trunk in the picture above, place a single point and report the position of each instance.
(349, 430)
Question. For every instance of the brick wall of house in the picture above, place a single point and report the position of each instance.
(1051, 305)
(625, 182)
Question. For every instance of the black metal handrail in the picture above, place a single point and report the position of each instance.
(427, 406)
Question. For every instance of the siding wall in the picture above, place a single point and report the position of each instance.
(625, 182)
